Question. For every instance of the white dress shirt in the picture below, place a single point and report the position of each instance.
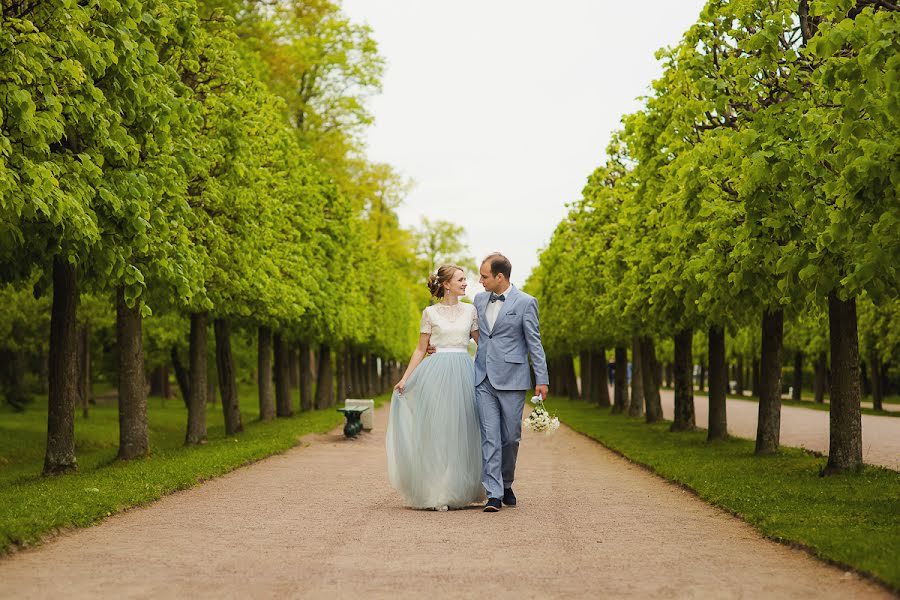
(493, 309)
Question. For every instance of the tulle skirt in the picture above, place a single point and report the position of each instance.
(434, 436)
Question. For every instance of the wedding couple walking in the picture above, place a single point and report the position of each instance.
(454, 428)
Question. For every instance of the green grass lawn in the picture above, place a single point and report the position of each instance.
(31, 505)
(852, 520)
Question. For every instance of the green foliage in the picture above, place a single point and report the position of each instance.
(206, 158)
(442, 242)
(761, 173)
(851, 129)
(324, 66)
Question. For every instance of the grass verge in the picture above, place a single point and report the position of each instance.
(32, 506)
(850, 520)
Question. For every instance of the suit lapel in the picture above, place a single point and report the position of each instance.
(510, 301)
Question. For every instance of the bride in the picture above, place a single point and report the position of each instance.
(434, 437)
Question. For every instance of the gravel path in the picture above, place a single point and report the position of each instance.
(321, 521)
(802, 427)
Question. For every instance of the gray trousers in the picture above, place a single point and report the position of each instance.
(500, 412)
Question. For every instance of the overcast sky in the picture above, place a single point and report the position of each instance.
(500, 109)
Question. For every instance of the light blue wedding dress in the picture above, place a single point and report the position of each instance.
(433, 437)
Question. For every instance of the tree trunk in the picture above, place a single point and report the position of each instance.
(156, 382)
(651, 381)
(11, 381)
(557, 381)
(389, 382)
(636, 406)
(306, 378)
(362, 361)
(669, 374)
(283, 402)
(599, 379)
(199, 387)
(341, 375)
(562, 372)
(797, 391)
(264, 374)
(181, 376)
(363, 375)
(568, 369)
(620, 392)
(718, 386)
(372, 368)
(845, 425)
(134, 432)
(768, 425)
(159, 382)
(385, 375)
(395, 373)
(754, 378)
(357, 368)
(212, 378)
(293, 366)
(325, 387)
(877, 381)
(60, 454)
(821, 377)
(739, 376)
(84, 369)
(684, 386)
(865, 384)
(701, 384)
(360, 390)
(356, 380)
(584, 359)
(225, 365)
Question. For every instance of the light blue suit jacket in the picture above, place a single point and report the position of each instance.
(503, 352)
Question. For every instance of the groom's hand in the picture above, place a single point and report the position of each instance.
(542, 391)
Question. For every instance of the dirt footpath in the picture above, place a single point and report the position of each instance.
(802, 427)
(321, 521)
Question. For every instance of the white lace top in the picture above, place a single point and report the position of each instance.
(450, 326)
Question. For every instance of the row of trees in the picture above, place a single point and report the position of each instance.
(756, 192)
(182, 165)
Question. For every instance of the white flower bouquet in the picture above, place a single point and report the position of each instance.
(540, 419)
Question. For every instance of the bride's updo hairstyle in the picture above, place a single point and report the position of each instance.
(436, 282)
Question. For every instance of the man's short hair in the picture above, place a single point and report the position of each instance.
(499, 264)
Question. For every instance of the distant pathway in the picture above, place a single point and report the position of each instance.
(803, 427)
(322, 522)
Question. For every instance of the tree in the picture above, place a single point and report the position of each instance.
(754, 188)
(442, 242)
(88, 162)
(851, 129)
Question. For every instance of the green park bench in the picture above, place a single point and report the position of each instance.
(354, 423)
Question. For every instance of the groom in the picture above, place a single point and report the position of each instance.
(509, 332)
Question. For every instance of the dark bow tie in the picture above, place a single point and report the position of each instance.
(495, 297)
